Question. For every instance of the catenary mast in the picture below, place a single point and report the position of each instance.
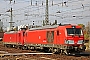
(46, 14)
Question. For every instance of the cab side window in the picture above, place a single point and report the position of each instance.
(58, 32)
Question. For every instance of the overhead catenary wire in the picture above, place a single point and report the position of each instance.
(62, 11)
(49, 6)
(54, 4)
(73, 10)
(35, 10)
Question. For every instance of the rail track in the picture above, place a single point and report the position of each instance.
(18, 54)
(42, 57)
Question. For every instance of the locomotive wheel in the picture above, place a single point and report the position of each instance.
(16, 47)
(45, 49)
(55, 51)
(23, 48)
(32, 48)
(63, 52)
(50, 50)
(66, 52)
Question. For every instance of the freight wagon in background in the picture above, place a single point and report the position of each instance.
(1, 35)
(66, 38)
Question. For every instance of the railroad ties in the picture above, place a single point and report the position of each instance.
(39, 56)
(16, 54)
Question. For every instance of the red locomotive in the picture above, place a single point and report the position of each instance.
(58, 38)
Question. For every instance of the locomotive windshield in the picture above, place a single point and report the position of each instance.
(74, 31)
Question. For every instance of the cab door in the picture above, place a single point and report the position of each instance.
(21, 38)
(50, 37)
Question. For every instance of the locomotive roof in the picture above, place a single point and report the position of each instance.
(44, 27)
(11, 32)
(49, 26)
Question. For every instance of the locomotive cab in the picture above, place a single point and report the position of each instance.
(75, 39)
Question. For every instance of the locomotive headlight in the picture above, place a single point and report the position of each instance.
(69, 41)
(80, 42)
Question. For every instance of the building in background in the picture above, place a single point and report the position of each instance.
(1, 26)
(1, 30)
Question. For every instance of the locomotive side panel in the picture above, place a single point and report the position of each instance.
(46, 36)
(42, 36)
(10, 38)
(36, 37)
(31, 37)
(5, 37)
(61, 35)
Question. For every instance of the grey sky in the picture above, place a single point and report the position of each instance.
(78, 8)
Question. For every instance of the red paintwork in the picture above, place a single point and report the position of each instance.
(35, 37)
(14, 37)
(10, 37)
(40, 36)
